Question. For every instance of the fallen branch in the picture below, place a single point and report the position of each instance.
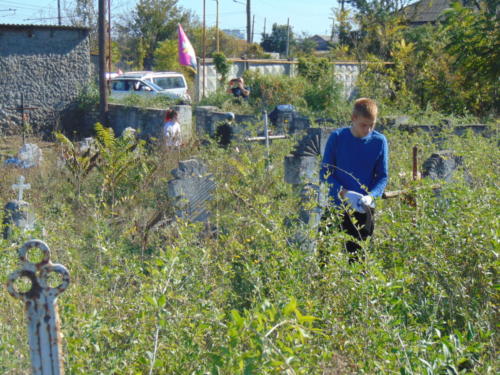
(397, 193)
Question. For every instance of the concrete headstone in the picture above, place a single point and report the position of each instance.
(30, 155)
(191, 189)
(442, 165)
(302, 172)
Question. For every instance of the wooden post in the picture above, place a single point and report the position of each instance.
(415, 163)
(249, 22)
(103, 92)
(109, 46)
(24, 116)
(287, 37)
(204, 50)
(217, 25)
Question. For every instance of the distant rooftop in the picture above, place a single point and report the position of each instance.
(5, 26)
(425, 11)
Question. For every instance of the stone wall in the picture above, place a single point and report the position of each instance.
(48, 65)
(345, 72)
(148, 121)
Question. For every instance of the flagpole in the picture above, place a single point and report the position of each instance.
(204, 49)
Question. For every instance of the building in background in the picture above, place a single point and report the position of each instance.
(48, 66)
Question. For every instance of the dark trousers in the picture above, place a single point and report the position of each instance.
(363, 229)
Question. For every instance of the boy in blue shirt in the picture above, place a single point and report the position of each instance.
(355, 166)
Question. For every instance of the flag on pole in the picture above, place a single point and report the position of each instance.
(186, 50)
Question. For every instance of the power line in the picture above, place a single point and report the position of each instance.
(43, 18)
(21, 5)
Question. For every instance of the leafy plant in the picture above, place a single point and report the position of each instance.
(222, 66)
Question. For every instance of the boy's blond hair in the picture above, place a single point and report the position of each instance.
(365, 107)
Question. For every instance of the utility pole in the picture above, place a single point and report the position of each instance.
(217, 25)
(204, 49)
(103, 93)
(109, 44)
(59, 12)
(287, 37)
(253, 27)
(249, 24)
(264, 33)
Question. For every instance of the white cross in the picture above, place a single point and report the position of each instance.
(20, 187)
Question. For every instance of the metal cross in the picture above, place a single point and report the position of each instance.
(24, 116)
(41, 310)
(20, 187)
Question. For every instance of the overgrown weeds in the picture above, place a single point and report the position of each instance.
(248, 300)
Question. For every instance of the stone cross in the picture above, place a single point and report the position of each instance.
(20, 187)
(41, 310)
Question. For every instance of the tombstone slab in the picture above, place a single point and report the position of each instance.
(442, 165)
(191, 190)
(30, 155)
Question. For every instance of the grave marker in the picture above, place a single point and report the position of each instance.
(442, 165)
(41, 310)
(16, 212)
(191, 190)
(20, 187)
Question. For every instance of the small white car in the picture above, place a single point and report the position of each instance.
(172, 84)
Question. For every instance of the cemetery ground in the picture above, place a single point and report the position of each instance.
(152, 295)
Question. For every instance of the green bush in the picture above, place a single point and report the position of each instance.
(153, 101)
(222, 66)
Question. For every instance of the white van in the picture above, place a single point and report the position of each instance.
(172, 84)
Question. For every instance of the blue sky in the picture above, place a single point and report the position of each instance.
(305, 16)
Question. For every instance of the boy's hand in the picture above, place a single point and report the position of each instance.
(365, 201)
(353, 198)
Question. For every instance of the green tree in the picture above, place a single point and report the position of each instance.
(380, 24)
(314, 68)
(306, 45)
(83, 13)
(229, 45)
(222, 66)
(166, 56)
(276, 41)
(474, 41)
(151, 22)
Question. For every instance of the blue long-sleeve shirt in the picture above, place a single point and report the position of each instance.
(358, 164)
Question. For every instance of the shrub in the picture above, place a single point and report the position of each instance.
(222, 66)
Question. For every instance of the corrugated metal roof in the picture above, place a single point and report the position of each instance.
(31, 26)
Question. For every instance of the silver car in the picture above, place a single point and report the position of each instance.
(171, 84)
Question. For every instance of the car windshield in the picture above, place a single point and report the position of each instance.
(169, 82)
(156, 87)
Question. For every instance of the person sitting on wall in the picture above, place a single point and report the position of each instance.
(238, 89)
